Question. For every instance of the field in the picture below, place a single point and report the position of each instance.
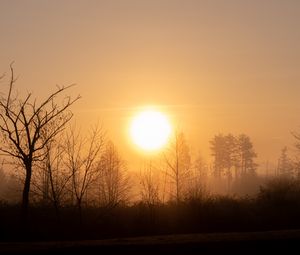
(284, 241)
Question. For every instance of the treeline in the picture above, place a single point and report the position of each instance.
(277, 206)
(234, 159)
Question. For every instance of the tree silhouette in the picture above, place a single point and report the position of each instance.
(285, 164)
(233, 153)
(24, 123)
(247, 155)
(55, 177)
(114, 182)
(82, 155)
(220, 152)
(150, 185)
(224, 151)
(198, 179)
(178, 161)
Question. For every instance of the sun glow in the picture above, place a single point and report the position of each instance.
(150, 130)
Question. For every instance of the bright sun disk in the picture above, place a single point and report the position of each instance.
(150, 130)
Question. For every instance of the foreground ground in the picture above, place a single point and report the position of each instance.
(221, 243)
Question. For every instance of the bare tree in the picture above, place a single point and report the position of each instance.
(81, 160)
(23, 123)
(149, 185)
(113, 179)
(197, 187)
(53, 176)
(178, 161)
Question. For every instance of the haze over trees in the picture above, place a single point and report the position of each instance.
(113, 179)
(285, 164)
(48, 163)
(233, 158)
(178, 162)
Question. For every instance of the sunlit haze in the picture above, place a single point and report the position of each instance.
(212, 66)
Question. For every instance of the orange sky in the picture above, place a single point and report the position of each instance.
(213, 66)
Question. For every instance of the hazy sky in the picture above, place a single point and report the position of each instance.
(213, 66)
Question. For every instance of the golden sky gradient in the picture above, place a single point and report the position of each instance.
(212, 66)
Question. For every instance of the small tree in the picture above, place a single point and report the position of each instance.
(23, 123)
(296, 161)
(285, 165)
(178, 161)
(221, 154)
(113, 179)
(198, 179)
(224, 151)
(247, 155)
(82, 154)
(53, 176)
(149, 185)
(233, 153)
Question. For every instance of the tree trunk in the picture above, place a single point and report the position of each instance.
(25, 198)
(55, 196)
(79, 207)
(57, 211)
(177, 188)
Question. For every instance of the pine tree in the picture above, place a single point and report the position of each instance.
(285, 166)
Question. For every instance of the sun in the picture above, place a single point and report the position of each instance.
(150, 130)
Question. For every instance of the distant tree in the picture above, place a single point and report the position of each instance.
(221, 153)
(178, 161)
(296, 164)
(285, 164)
(53, 177)
(23, 123)
(296, 161)
(224, 151)
(82, 155)
(231, 157)
(197, 187)
(247, 155)
(218, 149)
(233, 154)
(150, 185)
(201, 168)
(114, 183)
